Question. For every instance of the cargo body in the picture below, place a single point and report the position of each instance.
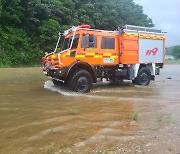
(132, 53)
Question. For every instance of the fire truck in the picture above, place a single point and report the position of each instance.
(89, 55)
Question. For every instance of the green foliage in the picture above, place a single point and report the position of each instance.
(169, 50)
(16, 48)
(176, 51)
(73, 111)
(135, 116)
(48, 34)
(30, 27)
(0, 7)
(173, 61)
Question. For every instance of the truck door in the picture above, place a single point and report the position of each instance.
(108, 50)
(89, 50)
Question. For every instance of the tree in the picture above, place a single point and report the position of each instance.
(176, 51)
(48, 34)
(0, 7)
(29, 27)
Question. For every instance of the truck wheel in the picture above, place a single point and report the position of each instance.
(57, 83)
(143, 77)
(80, 81)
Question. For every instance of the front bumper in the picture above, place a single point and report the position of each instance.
(58, 73)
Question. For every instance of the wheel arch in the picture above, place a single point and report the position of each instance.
(150, 66)
(81, 65)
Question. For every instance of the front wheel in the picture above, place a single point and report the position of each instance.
(80, 81)
(143, 77)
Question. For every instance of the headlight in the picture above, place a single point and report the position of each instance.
(53, 57)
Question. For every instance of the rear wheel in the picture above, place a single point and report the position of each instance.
(80, 81)
(143, 77)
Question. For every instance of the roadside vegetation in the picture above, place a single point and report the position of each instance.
(73, 111)
(172, 61)
(175, 52)
(28, 28)
(135, 116)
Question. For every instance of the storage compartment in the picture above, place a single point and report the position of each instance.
(151, 50)
(129, 49)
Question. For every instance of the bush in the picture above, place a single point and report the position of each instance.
(176, 52)
(16, 48)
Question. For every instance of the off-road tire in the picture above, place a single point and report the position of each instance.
(80, 81)
(143, 77)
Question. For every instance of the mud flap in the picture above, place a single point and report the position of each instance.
(130, 73)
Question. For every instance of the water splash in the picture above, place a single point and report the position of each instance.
(64, 91)
(50, 86)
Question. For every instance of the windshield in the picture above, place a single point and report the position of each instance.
(67, 42)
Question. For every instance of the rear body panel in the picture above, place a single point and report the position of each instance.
(151, 51)
(142, 47)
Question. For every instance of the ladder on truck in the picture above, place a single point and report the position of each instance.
(140, 29)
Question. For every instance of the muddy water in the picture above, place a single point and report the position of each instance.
(38, 117)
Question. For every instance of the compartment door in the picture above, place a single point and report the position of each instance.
(151, 51)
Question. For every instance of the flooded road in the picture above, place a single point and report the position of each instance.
(38, 117)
